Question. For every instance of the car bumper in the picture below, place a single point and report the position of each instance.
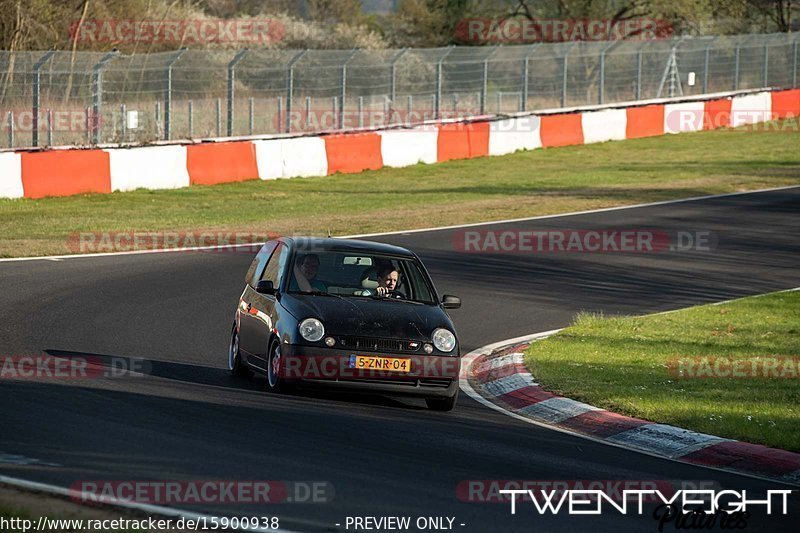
(431, 376)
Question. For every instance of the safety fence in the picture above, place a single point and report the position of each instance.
(89, 98)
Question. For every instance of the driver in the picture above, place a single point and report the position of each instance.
(387, 282)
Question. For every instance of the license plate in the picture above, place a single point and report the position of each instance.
(369, 362)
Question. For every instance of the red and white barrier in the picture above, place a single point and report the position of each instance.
(751, 109)
(400, 148)
(303, 157)
(353, 152)
(299, 157)
(11, 175)
(76, 171)
(509, 135)
(604, 125)
(683, 117)
(166, 168)
(66, 172)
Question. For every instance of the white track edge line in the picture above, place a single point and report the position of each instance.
(409, 231)
(113, 502)
(469, 358)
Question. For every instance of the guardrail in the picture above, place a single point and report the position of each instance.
(62, 172)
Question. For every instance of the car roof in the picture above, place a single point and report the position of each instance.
(311, 244)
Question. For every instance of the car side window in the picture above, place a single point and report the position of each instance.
(259, 262)
(276, 265)
(415, 284)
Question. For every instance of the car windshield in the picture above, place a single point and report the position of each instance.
(360, 275)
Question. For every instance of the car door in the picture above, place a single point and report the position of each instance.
(248, 323)
(261, 308)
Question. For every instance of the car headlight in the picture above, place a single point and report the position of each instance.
(444, 340)
(312, 329)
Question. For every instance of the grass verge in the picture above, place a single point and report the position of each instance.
(670, 368)
(523, 184)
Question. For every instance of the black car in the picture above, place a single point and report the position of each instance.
(349, 314)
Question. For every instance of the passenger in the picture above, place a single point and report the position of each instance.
(305, 273)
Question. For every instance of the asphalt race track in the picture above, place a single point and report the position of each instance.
(188, 419)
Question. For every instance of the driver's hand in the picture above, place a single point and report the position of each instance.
(382, 291)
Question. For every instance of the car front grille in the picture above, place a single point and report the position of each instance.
(377, 344)
(425, 383)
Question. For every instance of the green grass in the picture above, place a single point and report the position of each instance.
(626, 365)
(523, 184)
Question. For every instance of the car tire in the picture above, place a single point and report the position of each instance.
(275, 383)
(236, 366)
(442, 404)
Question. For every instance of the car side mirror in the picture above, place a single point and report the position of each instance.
(265, 286)
(451, 302)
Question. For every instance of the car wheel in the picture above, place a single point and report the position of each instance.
(442, 404)
(276, 383)
(235, 363)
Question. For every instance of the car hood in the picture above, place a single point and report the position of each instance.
(369, 317)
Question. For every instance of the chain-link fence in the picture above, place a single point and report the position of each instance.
(64, 98)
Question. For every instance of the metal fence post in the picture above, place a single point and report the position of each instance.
(168, 94)
(10, 122)
(706, 66)
(485, 84)
(97, 95)
(397, 56)
(231, 78)
(290, 89)
(564, 76)
(526, 76)
(794, 64)
(343, 94)
(308, 112)
(87, 111)
(124, 122)
(191, 119)
(251, 113)
(602, 76)
(219, 117)
(49, 127)
(437, 100)
(158, 119)
(766, 65)
(736, 69)
(639, 58)
(360, 111)
(337, 118)
(279, 105)
(36, 92)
